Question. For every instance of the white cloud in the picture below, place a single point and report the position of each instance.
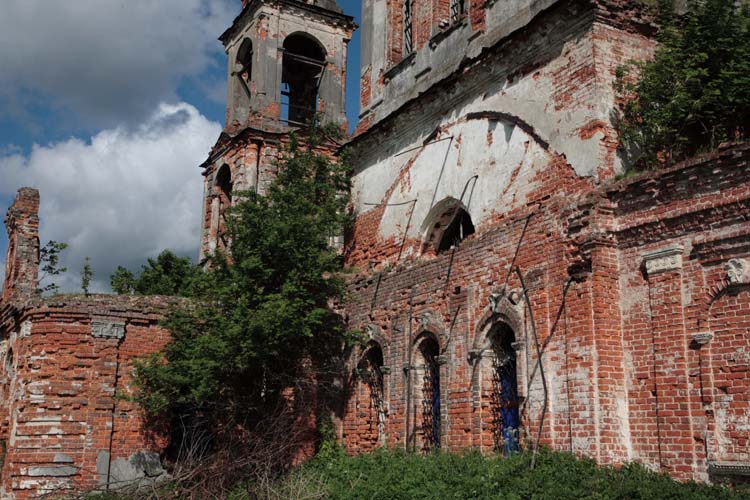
(123, 196)
(106, 61)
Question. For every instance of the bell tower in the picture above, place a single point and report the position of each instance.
(287, 64)
(286, 70)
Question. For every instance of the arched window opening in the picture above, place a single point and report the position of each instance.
(447, 224)
(302, 71)
(371, 376)
(458, 229)
(504, 399)
(245, 64)
(223, 190)
(430, 405)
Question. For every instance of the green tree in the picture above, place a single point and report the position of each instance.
(49, 257)
(167, 274)
(261, 311)
(86, 275)
(695, 93)
(122, 281)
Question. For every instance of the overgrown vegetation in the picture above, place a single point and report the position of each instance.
(695, 93)
(255, 351)
(167, 274)
(260, 312)
(393, 475)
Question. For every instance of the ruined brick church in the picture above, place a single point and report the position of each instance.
(515, 293)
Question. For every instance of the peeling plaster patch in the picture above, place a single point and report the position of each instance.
(143, 467)
(59, 471)
(107, 329)
(62, 458)
(509, 163)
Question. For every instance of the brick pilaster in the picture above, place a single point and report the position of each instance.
(670, 371)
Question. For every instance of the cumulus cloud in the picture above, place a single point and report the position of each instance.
(105, 61)
(124, 195)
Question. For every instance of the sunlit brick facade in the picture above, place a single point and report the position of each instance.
(561, 306)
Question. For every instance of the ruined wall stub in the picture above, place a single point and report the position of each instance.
(22, 260)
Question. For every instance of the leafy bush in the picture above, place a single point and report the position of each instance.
(695, 93)
(387, 475)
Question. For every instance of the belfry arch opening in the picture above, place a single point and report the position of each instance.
(447, 225)
(303, 65)
(427, 407)
(371, 396)
(245, 63)
(503, 394)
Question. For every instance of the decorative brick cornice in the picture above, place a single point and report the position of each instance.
(729, 468)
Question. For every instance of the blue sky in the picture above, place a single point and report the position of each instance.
(109, 109)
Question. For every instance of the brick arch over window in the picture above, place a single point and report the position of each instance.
(446, 225)
(303, 65)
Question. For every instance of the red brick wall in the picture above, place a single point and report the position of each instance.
(680, 413)
(615, 321)
(61, 416)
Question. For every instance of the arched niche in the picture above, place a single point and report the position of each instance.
(370, 398)
(222, 200)
(500, 383)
